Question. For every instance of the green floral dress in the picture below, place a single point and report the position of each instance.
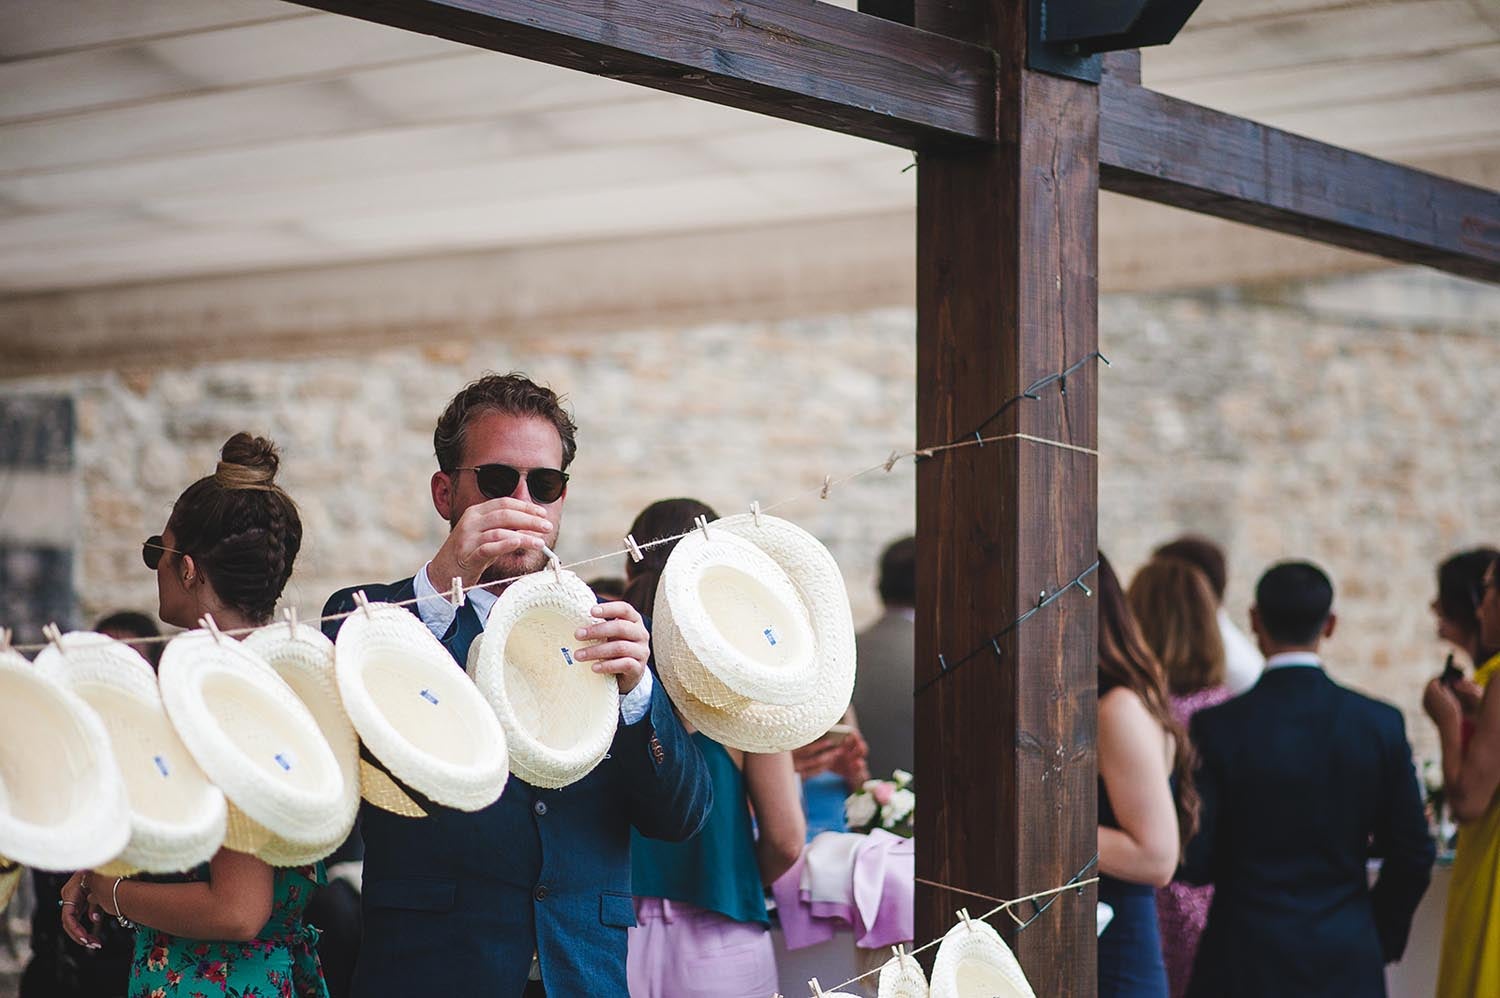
(281, 962)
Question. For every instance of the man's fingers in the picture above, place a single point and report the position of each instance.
(613, 630)
(618, 610)
(516, 516)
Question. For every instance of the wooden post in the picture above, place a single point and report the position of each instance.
(1007, 293)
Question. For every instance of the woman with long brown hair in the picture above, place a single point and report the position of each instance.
(1143, 823)
(1177, 609)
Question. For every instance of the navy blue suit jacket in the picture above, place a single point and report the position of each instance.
(1304, 781)
(456, 903)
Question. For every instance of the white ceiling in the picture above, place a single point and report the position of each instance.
(166, 138)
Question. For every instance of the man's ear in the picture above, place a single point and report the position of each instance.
(442, 494)
(1330, 624)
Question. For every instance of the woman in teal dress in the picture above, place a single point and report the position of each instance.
(232, 927)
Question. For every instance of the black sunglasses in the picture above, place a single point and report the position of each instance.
(152, 550)
(497, 481)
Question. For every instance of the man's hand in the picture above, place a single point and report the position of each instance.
(483, 533)
(624, 643)
(851, 761)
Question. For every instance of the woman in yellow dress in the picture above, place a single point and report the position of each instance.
(1467, 715)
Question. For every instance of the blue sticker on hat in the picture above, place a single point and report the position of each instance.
(770, 636)
(161, 764)
(567, 656)
(284, 760)
(429, 697)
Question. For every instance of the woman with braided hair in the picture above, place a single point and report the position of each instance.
(235, 924)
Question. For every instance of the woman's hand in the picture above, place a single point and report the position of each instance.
(1442, 704)
(73, 906)
(101, 891)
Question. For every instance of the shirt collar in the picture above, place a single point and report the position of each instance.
(1290, 658)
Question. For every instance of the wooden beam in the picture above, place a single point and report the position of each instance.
(1170, 151)
(1006, 294)
(809, 62)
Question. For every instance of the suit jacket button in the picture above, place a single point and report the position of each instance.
(540, 893)
(540, 807)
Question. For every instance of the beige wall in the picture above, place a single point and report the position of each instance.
(1349, 421)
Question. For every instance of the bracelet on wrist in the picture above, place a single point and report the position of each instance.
(114, 895)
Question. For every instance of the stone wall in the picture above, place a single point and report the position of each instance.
(1347, 421)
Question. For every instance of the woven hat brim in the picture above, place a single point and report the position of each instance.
(112, 677)
(763, 727)
(724, 674)
(72, 748)
(304, 658)
(575, 694)
(977, 943)
(388, 631)
(284, 731)
(902, 978)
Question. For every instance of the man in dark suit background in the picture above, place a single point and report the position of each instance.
(883, 704)
(537, 884)
(1303, 781)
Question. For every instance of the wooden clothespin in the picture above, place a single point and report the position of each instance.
(890, 462)
(290, 613)
(827, 484)
(554, 562)
(755, 513)
(963, 916)
(363, 602)
(53, 634)
(636, 554)
(208, 624)
(456, 592)
(817, 989)
(701, 522)
(5, 635)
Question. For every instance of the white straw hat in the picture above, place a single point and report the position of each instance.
(901, 977)
(62, 802)
(254, 738)
(760, 726)
(427, 731)
(177, 817)
(559, 715)
(303, 657)
(741, 620)
(972, 959)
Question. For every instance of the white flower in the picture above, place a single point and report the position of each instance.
(902, 778)
(1432, 776)
(903, 802)
(859, 810)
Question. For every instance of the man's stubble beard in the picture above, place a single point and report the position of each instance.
(514, 564)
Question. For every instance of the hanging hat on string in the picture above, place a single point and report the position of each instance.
(972, 959)
(62, 802)
(559, 715)
(429, 737)
(10, 879)
(721, 617)
(901, 977)
(303, 657)
(254, 738)
(177, 817)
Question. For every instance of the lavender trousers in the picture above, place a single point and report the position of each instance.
(679, 950)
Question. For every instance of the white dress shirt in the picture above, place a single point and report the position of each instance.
(1287, 659)
(438, 613)
(1242, 660)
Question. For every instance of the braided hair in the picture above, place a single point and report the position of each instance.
(240, 527)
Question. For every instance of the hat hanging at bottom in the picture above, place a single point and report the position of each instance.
(974, 962)
(10, 879)
(901, 977)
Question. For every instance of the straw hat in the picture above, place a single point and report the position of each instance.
(253, 738)
(901, 977)
(62, 802)
(823, 602)
(741, 619)
(972, 959)
(559, 715)
(177, 817)
(427, 731)
(303, 657)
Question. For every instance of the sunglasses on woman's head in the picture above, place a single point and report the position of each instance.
(153, 549)
(496, 481)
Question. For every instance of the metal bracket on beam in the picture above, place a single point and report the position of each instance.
(1065, 36)
(1058, 58)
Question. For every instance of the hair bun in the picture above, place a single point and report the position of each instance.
(247, 462)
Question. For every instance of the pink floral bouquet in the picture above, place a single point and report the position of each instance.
(888, 804)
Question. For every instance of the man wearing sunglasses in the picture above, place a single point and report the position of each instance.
(531, 895)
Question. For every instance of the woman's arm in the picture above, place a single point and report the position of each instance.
(234, 904)
(776, 799)
(1470, 775)
(1133, 765)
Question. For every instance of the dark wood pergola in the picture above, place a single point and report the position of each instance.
(1010, 163)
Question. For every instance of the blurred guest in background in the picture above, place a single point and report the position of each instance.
(700, 904)
(1303, 783)
(1470, 962)
(1242, 660)
(885, 651)
(132, 625)
(1177, 611)
(610, 588)
(1142, 821)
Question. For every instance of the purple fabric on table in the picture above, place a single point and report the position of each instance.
(1182, 909)
(881, 888)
